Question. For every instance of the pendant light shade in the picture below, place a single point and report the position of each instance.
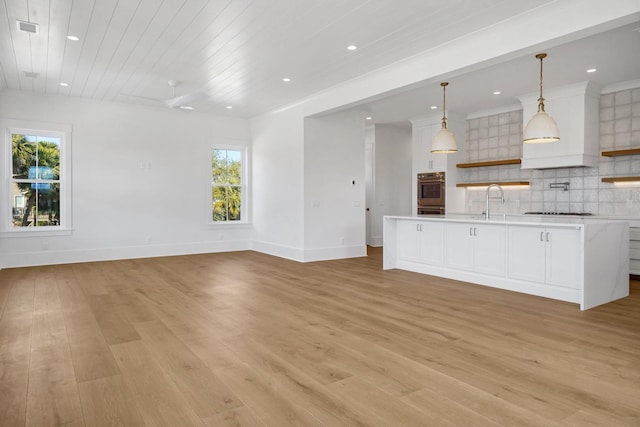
(541, 128)
(444, 142)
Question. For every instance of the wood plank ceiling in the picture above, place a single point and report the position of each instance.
(223, 52)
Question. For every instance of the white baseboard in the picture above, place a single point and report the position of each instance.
(31, 259)
(376, 241)
(288, 252)
(339, 252)
(309, 255)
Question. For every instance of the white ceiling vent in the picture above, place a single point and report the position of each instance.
(31, 75)
(29, 27)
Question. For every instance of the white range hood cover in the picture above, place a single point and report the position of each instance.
(575, 109)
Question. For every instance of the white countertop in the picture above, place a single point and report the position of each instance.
(520, 219)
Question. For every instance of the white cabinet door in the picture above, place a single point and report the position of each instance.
(432, 242)
(421, 155)
(564, 252)
(459, 246)
(545, 255)
(421, 241)
(490, 242)
(409, 241)
(424, 160)
(476, 247)
(527, 249)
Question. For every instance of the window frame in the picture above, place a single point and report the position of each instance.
(57, 130)
(244, 187)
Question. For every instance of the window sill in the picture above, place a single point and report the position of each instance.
(37, 233)
(240, 225)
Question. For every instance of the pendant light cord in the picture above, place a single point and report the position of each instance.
(541, 56)
(444, 104)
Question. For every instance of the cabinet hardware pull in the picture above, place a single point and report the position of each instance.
(541, 233)
(417, 227)
(470, 231)
(547, 236)
(474, 231)
(420, 227)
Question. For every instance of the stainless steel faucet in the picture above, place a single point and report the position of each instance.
(486, 211)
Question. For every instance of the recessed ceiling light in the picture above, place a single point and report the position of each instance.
(352, 47)
(368, 118)
(185, 107)
(591, 70)
(228, 107)
(73, 38)
(433, 107)
(497, 92)
(286, 79)
(64, 84)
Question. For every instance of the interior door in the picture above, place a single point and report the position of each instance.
(368, 189)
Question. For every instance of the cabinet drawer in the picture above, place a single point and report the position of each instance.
(634, 266)
(634, 253)
(634, 233)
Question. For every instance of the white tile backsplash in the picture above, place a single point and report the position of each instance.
(622, 112)
(606, 142)
(606, 114)
(607, 100)
(499, 136)
(623, 97)
(622, 125)
(622, 140)
(606, 128)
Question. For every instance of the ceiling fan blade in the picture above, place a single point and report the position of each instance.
(141, 98)
(182, 100)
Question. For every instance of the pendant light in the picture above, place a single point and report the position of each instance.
(541, 128)
(444, 142)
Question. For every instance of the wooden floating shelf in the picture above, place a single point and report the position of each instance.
(615, 153)
(621, 179)
(489, 163)
(486, 184)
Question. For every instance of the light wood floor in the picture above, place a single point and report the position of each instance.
(247, 339)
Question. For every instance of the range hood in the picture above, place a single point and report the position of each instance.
(575, 109)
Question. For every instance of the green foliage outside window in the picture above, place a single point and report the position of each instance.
(36, 177)
(226, 185)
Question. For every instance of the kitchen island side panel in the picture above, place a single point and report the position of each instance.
(606, 263)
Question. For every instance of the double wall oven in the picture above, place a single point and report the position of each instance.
(431, 192)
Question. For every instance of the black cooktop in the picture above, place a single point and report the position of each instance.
(559, 213)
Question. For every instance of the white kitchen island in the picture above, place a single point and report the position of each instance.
(583, 261)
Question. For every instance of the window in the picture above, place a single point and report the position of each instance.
(228, 190)
(35, 169)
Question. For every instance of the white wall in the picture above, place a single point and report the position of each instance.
(392, 176)
(118, 209)
(278, 184)
(334, 186)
